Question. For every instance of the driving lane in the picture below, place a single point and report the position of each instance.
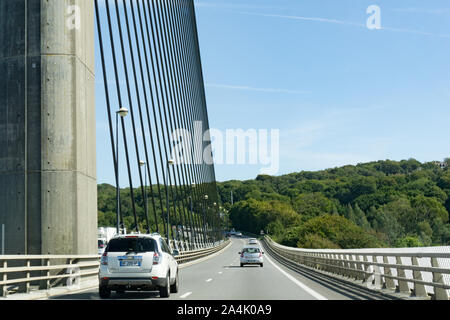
(222, 278)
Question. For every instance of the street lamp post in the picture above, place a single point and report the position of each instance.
(170, 162)
(204, 219)
(142, 164)
(123, 112)
(215, 232)
(193, 222)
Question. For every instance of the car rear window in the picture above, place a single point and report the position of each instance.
(131, 245)
(251, 250)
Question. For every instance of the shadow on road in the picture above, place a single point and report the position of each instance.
(132, 295)
(246, 266)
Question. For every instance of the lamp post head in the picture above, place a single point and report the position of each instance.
(206, 197)
(123, 112)
(142, 163)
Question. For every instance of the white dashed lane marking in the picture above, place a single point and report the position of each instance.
(186, 295)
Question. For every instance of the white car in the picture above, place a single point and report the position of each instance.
(138, 262)
(252, 255)
(101, 245)
(253, 241)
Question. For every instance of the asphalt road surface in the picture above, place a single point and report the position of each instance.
(222, 278)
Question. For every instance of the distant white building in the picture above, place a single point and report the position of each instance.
(440, 164)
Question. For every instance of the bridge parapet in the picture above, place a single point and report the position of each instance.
(414, 272)
(30, 273)
(27, 273)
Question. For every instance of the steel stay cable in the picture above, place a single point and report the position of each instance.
(130, 100)
(176, 102)
(122, 120)
(168, 92)
(147, 65)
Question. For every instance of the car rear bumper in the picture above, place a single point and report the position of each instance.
(251, 261)
(132, 283)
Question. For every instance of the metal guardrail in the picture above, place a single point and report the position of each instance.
(187, 256)
(22, 273)
(418, 272)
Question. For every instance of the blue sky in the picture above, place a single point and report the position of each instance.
(338, 92)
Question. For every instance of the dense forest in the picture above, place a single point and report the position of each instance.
(377, 204)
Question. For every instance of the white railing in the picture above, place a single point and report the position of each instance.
(22, 273)
(26, 273)
(419, 272)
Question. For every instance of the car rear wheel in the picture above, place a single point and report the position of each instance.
(104, 292)
(261, 265)
(242, 265)
(164, 291)
(174, 287)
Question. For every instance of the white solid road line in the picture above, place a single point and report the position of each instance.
(209, 280)
(301, 285)
(185, 295)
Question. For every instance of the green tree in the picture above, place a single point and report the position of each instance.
(312, 204)
(409, 242)
(335, 229)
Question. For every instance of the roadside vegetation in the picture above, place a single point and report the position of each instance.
(377, 204)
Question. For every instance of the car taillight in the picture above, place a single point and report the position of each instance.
(156, 258)
(242, 255)
(104, 260)
(260, 254)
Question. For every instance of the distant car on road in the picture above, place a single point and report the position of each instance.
(253, 241)
(101, 245)
(251, 255)
(238, 234)
(138, 262)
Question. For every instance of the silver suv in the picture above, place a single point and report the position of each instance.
(138, 262)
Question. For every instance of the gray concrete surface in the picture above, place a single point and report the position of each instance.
(48, 187)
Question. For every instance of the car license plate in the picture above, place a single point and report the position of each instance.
(130, 263)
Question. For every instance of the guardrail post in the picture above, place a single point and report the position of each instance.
(345, 271)
(296, 256)
(5, 278)
(353, 271)
(388, 282)
(368, 271)
(27, 286)
(317, 261)
(376, 273)
(439, 293)
(320, 264)
(341, 265)
(46, 283)
(333, 268)
(359, 269)
(419, 289)
(402, 284)
(326, 266)
(348, 265)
